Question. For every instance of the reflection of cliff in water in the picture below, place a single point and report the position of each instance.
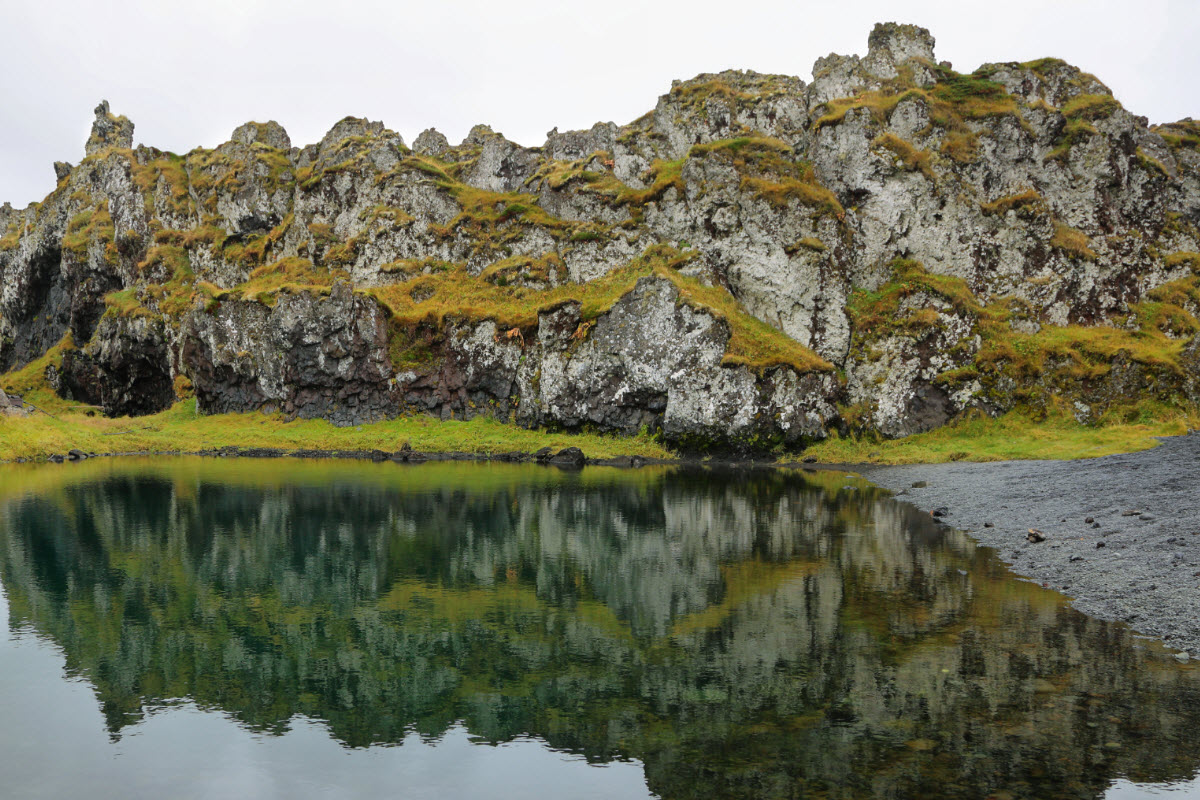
(745, 635)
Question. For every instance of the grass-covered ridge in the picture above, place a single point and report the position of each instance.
(1018, 435)
(182, 429)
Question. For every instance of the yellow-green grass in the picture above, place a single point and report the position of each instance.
(182, 429)
(1016, 435)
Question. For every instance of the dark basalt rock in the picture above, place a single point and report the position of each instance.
(569, 457)
(308, 356)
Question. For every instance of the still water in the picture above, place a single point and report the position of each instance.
(199, 628)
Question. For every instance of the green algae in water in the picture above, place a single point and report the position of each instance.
(672, 632)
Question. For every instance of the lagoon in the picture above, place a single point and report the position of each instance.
(192, 627)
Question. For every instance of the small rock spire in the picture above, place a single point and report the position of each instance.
(891, 44)
(109, 131)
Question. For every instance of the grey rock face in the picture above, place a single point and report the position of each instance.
(125, 369)
(655, 362)
(308, 356)
(430, 143)
(1024, 188)
(11, 406)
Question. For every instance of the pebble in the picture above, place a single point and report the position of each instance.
(1130, 513)
(1146, 518)
(1183, 657)
(988, 525)
(1095, 524)
(920, 484)
(940, 511)
(1090, 520)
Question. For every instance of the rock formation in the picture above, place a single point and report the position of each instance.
(757, 261)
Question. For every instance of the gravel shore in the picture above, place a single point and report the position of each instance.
(1122, 533)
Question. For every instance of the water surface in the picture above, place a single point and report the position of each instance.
(220, 628)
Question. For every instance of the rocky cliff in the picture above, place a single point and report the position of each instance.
(757, 261)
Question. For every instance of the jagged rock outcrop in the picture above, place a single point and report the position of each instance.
(11, 406)
(308, 356)
(887, 247)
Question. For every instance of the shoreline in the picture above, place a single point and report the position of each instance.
(1122, 532)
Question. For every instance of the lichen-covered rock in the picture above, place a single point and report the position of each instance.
(1047, 220)
(11, 406)
(308, 356)
(654, 362)
(125, 369)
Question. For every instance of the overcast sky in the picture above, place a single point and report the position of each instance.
(188, 73)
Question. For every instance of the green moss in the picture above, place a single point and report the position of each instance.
(664, 175)
(1191, 260)
(912, 158)
(516, 269)
(12, 235)
(1071, 242)
(126, 303)
(877, 314)
(1028, 200)
(88, 226)
(170, 280)
(1182, 135)
(286, 275)
(384, 217)
(973, 96)
(342, 254)
(1091, 107)
(1151, 164)
(954, 101)
(961, 146)
(168, 171)
(807, 243)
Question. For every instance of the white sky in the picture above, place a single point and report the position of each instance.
(188, 73)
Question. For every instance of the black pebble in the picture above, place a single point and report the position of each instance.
(1099, 545)
(1090, 520)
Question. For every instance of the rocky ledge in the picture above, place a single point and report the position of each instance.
(755, 263)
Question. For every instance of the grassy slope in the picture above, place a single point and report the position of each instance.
(182, 429)
(1012, 436)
